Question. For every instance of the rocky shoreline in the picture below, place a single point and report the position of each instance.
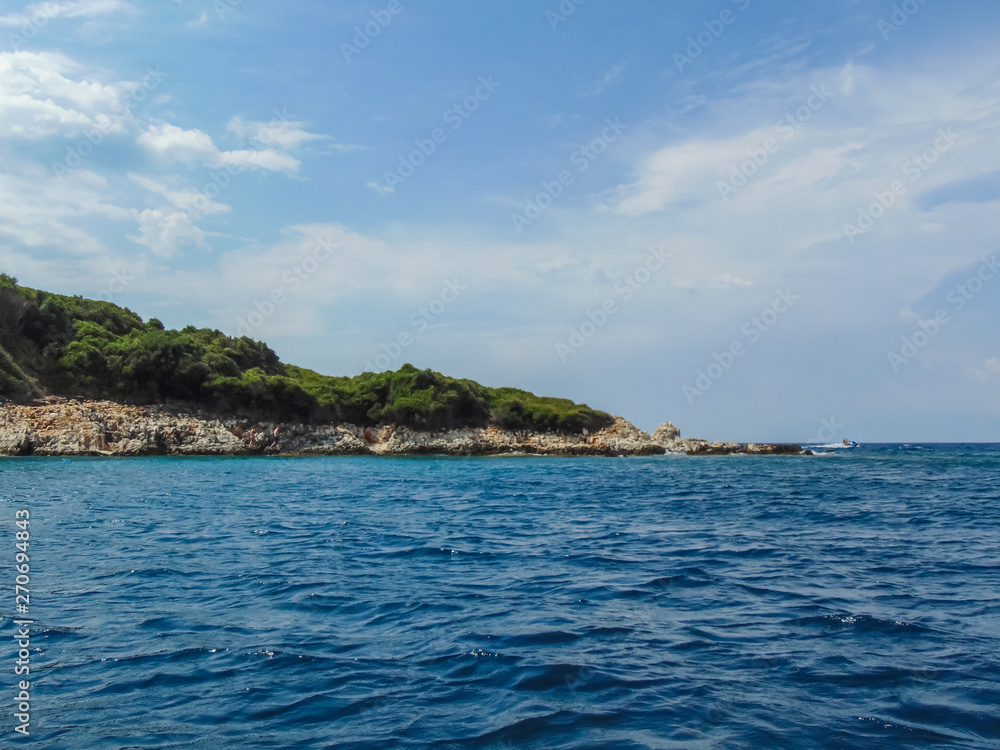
(74, 427)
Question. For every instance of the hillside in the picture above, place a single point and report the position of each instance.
(51, 344)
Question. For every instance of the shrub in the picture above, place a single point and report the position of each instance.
(72, 345)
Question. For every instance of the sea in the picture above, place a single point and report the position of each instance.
(844, 600)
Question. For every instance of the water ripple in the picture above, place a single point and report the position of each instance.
(361, 603)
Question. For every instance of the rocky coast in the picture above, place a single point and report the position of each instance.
(75, 427)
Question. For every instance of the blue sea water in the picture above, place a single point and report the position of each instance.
(839, 601)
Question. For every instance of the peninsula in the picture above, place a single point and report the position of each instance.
(86, 377)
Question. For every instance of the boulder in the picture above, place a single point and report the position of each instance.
(772, 449)
(666, 435)
(704, 448)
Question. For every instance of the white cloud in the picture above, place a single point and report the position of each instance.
(49, 95)
(684, 170)
(176, 143)
(854, 142)
(196, 147)
(728, 281)
(38, 99)
(401, 272)
(285, 135)
(805, 171)
(247, 159)
(281, 134)
(38, 14)
(187, 200)
(694, 170)
(169, 230)
(200, 22)
(166, 231)
(608, 80)
(556, 263)
(989, 371)
(42, 213)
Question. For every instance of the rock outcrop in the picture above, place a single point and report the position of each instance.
(772, 449)
(666, 434)
(73, 427)
(67, 428)
(61, 427)
(669, 438)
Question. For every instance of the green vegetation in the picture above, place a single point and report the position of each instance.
(70, 346)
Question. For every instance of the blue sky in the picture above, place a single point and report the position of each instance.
(761, 221)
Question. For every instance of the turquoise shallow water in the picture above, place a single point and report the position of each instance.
(845, 601)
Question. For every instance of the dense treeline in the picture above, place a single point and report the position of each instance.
(70, 346)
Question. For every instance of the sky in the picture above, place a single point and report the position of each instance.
(761, 221)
